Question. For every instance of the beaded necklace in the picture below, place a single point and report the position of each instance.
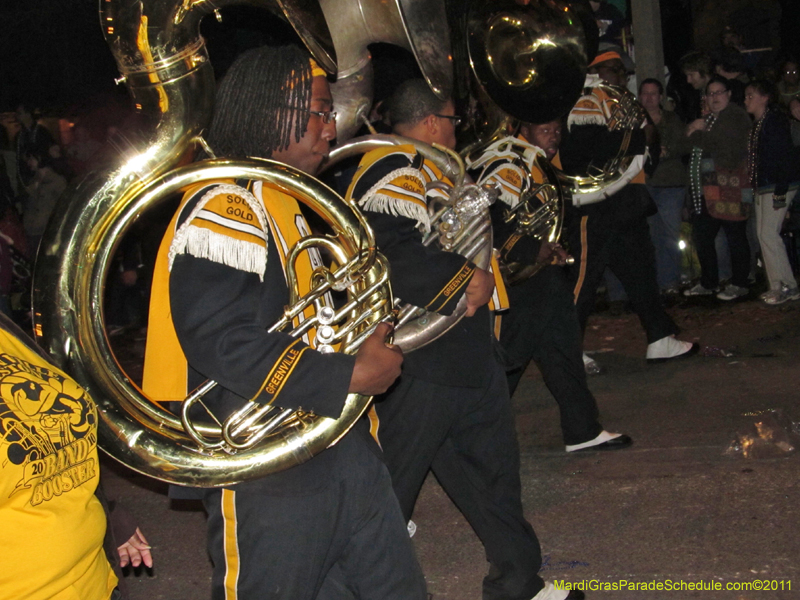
(752, 149)
(695, 183)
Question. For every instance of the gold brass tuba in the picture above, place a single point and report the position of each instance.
(529, 60)
(163, 60)
(461, 224)
(621, 112)
(416, 25)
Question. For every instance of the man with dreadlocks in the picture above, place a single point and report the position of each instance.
(329, 524)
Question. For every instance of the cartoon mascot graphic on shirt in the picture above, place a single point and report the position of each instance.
(47, 426)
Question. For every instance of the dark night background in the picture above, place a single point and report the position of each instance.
(54, 55)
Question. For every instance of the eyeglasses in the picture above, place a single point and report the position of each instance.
(456, 121)
(717, 93)
(327, 116)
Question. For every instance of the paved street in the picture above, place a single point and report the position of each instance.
(679, 506)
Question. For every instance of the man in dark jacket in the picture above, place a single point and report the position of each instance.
(450, 412)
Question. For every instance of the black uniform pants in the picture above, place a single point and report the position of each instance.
(467, 437)
(704, 231)
(344, 539)
(614, 234)
(542, 325)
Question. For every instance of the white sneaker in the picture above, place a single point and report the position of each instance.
(698, 290)
(591, 366)
(732, 292)
(774, 297)
(550, 592)
(669, 347)
(604, 441)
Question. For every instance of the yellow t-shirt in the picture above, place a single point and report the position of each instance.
(51, 523)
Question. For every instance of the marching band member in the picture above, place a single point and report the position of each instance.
(330, 523)
(542, 324)
(450, 412)
(614, 232)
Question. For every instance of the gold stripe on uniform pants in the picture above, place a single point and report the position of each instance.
(584, 252)
(230, 544)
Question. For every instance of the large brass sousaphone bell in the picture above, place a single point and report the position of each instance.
(416, 25)
(165, 65)
(529, 59)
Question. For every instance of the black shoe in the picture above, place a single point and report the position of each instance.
(576, 594)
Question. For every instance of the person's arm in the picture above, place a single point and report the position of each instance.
(595, 144)
(779, 142)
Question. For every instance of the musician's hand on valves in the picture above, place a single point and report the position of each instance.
(551, 253)
(479, 290)
(377, 363)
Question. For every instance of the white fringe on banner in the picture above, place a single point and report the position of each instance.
(219, 248)
(223, 249)
(382, 203)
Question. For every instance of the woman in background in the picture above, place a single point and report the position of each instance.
(667, 186)
(720, 190)
(772, 161)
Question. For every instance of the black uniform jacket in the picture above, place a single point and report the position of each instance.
(389, 185)
(226, 289)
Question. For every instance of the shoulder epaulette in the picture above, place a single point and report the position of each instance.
(225, 224)
(393, 181)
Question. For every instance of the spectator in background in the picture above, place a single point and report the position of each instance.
(33, 139)
(667, 186)
(730, 65)
(83, 150)
(794, 111)
(719, 187)
(610, 21)
(43, 190)
(773, 163)
(789, 84)
(697, 68)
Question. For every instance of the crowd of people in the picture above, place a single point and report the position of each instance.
(336, 526)
(729, 166)
(38, 162)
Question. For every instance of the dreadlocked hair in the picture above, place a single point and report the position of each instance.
(256, 106)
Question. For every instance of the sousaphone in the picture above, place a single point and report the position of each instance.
(164, 63)
(529, 61)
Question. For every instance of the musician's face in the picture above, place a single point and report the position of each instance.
(546, 136)
(613, 72)
(308, 154)
(446, 128)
